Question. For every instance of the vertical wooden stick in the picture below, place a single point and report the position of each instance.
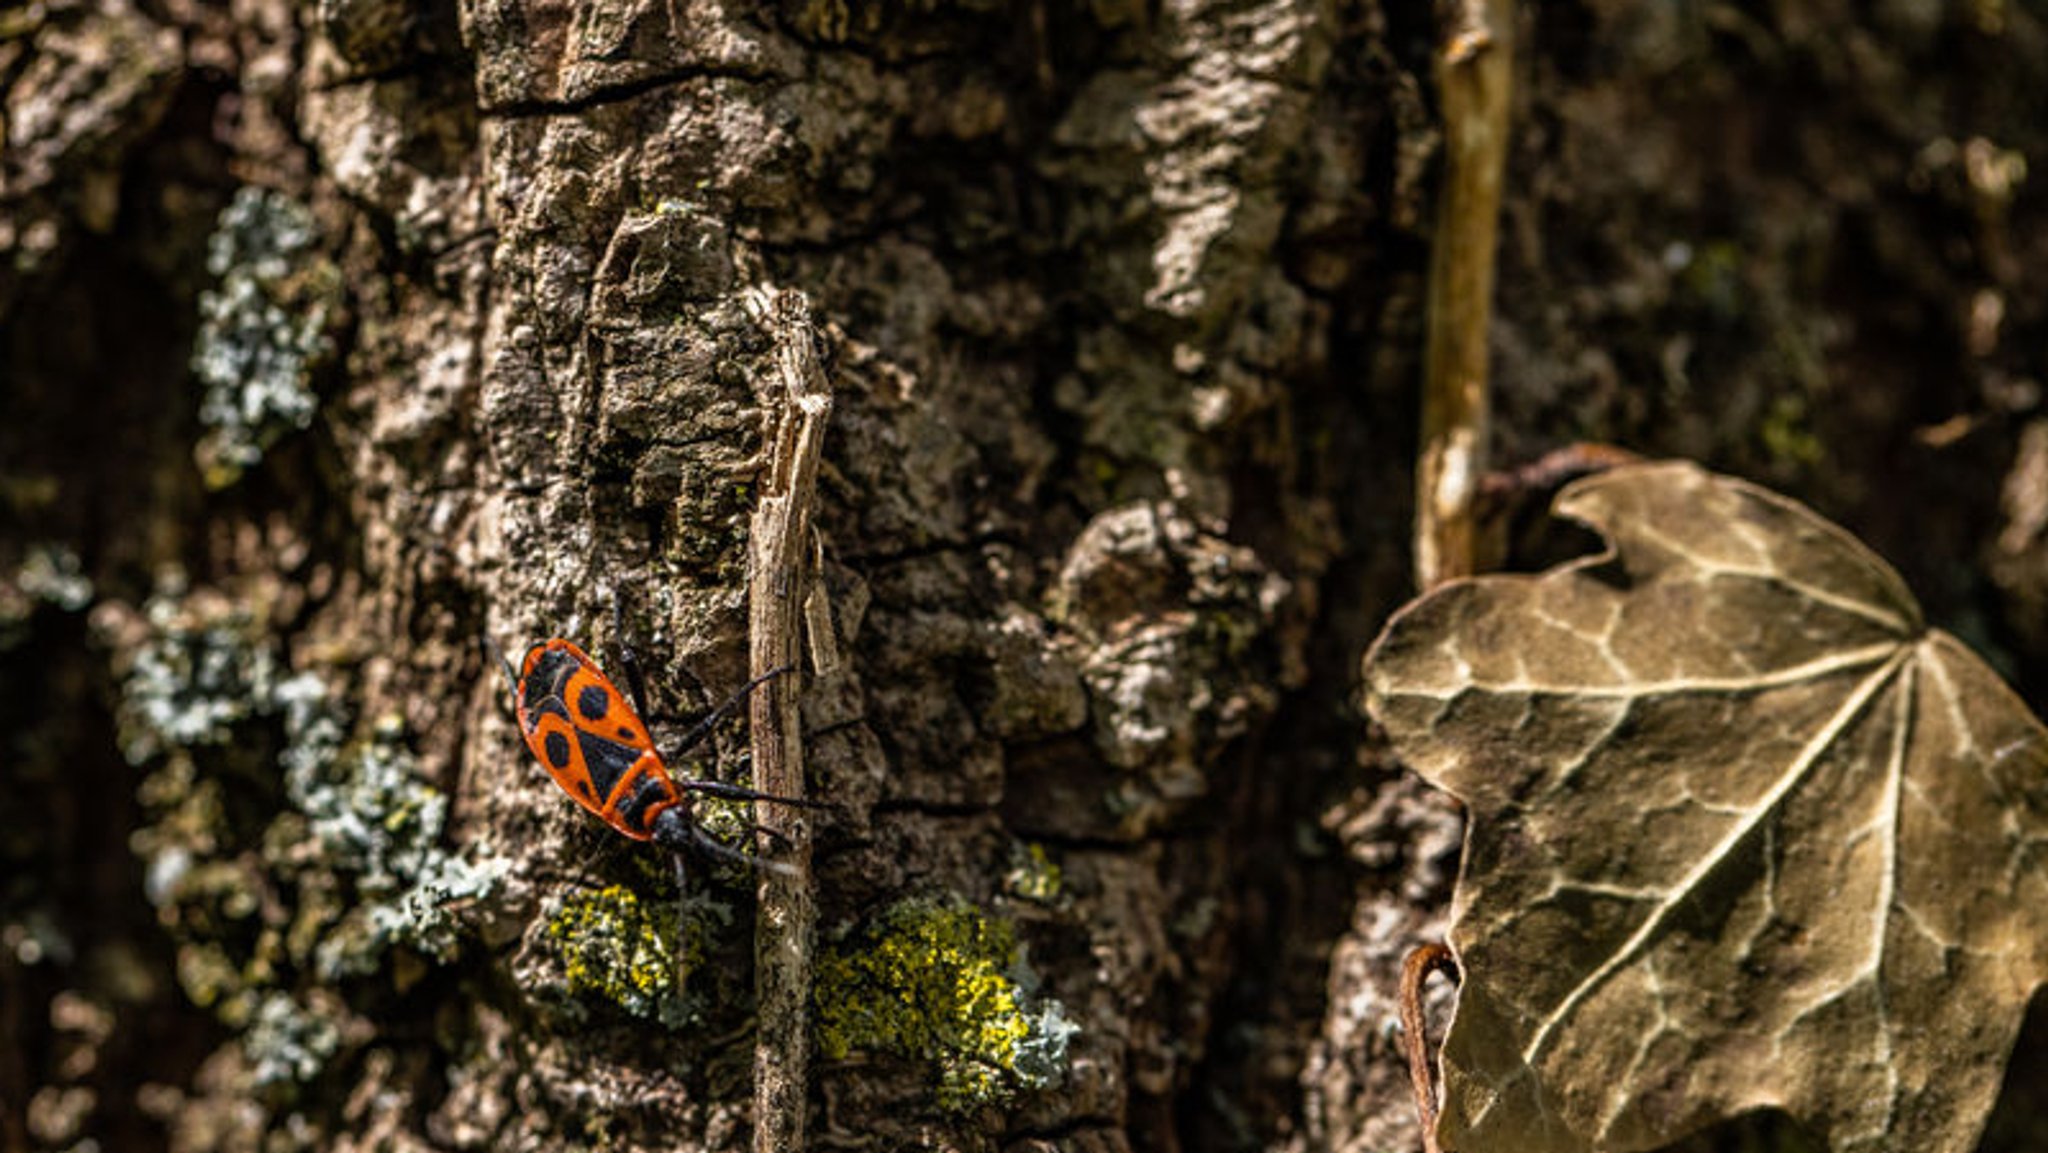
(778, 579)
(1474, 72)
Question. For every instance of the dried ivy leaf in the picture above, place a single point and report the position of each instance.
(1743, 832)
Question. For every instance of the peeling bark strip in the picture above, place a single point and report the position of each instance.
(777, 580)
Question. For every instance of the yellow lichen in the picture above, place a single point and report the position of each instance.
(612, 945)
(938, 981)
(1034, 876)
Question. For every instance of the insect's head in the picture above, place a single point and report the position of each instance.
(674, 828)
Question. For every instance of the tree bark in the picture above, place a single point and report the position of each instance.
(340, 336)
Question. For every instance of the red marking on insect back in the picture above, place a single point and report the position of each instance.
(590, 740)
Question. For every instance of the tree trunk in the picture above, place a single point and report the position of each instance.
(342, 337)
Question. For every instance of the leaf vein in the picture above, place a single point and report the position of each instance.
(1844, 718)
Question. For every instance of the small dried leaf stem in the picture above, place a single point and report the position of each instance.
(1434, 957)
(1473, 76)
(778, 579)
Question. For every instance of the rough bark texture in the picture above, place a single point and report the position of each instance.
(337, 335)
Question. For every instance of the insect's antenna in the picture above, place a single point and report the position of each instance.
(635, 679)
(702, 727)
(497, 654)
(743, 793)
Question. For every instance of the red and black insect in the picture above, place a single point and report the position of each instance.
(597, 747)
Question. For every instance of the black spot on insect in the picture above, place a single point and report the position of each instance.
(626, 733)
(558, 750)
(593, 702)
(583, 787)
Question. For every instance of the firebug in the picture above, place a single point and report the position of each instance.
(598, 749)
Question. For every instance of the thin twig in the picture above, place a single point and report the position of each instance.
(1431, 958)
(1473, 74)
(778, 580)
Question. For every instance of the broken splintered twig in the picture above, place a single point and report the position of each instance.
(779, 572)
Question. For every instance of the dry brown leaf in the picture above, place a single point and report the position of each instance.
(1743, 832)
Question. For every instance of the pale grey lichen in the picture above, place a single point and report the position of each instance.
(286, 1042)
(195, 677)
(51, 573)
(375, 818)
(202, 672)
(263, 330)
(1041, 1056)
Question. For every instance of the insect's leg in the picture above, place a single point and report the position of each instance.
(780, 838)
(629, 659)
(682, 924)
(699, 730)
(743, 793)
(712, 846)
(492, 650)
